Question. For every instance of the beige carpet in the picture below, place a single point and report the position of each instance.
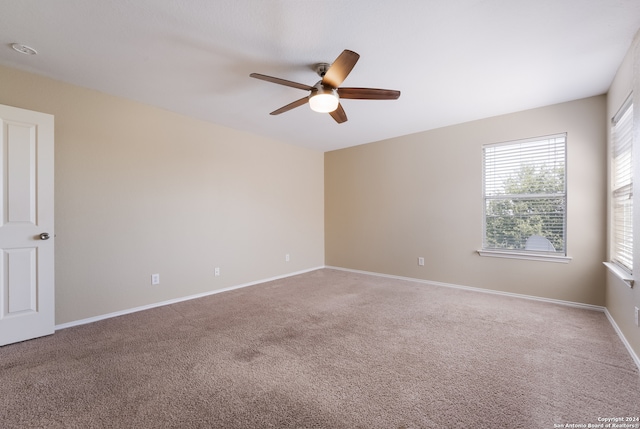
(326, 349)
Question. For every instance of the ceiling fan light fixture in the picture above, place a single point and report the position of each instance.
(323, 103)
(324, 100)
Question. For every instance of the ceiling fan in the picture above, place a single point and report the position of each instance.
(325, 95)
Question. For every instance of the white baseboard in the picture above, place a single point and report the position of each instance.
(477, 289)
(176, 300)
(634, 356)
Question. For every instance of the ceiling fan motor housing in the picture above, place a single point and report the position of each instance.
(320, 88)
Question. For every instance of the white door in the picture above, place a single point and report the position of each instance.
(26, 225)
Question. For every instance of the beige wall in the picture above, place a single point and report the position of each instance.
(388, 203)
(620, 299)
(140, 190)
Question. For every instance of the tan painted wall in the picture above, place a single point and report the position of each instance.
(388, 203)
(620, 299)
(140, 190)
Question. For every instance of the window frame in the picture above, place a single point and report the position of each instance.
(616, 262)
(560, 257)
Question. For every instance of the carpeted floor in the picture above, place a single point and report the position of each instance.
(326, 349)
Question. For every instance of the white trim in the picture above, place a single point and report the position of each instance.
(527, 140)
(620, 273)
(176, 300)
(527, 256)
(477, 289)
(633, 354)
(623, 109)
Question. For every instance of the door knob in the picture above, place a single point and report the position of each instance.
(44, 236)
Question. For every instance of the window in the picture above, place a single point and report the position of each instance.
(622, 188)
(525, 198)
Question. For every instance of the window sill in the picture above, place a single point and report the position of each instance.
(620, 273)
(527, 256)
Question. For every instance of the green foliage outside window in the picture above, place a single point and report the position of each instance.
(533, 203)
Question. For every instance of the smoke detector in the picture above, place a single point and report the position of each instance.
(23, 49)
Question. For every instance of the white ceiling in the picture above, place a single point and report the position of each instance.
(454, 61)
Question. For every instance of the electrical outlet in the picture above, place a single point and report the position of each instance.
(421, 261)
(216, 272)
(637, 321)
(155, 279)
(287, 258)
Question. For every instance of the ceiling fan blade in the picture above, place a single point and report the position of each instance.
(290, 106)
(340, 68)
(339, 115)
(368, 93)
(281, 81)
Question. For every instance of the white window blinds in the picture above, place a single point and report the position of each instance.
(525, 195)
(622, 187)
